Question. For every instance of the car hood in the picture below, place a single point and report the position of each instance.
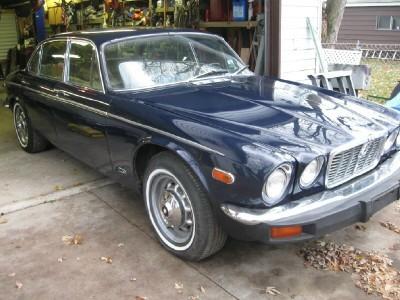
(286, 115)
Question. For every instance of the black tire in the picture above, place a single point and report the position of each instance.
(33, 141)
(207, 236)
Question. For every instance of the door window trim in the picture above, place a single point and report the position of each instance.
(38, 51)
(40, 48)
(66, 61)
(66, 79)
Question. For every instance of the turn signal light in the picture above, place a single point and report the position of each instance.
(286, 231)
(223, 176)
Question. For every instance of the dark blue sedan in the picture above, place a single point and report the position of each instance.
(215, 150)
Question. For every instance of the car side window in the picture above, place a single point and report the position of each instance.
(34, 62)
(53, 59)
(83, 65)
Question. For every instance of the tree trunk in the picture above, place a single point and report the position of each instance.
(334, 16)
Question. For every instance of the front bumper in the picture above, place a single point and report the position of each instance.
(355, 201)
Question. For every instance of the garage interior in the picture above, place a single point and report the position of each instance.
(241, 23)
(48, 196)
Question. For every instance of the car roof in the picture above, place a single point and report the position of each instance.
(99, 37)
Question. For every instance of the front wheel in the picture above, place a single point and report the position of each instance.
(179, 209)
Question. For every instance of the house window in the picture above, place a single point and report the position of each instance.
(396, 23)
(388, 23)
(384, 23)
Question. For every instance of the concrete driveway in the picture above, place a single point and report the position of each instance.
(50, 195)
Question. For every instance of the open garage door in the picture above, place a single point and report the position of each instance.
(8, 32)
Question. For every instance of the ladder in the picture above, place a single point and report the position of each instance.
(257, 47)
(326, 78)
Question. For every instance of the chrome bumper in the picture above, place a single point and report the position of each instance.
(364, 188)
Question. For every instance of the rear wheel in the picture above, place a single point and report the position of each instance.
(179, 209)
(28, 138)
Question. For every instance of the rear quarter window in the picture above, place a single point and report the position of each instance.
(33, 66)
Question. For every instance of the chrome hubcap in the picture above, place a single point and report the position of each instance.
(21, 125)
(170, 208)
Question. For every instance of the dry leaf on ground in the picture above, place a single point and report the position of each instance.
(194, 297)
(133, 279)
(140, 298)
(11, 274)
(395, 247)
(58, 188)
(372, 272)
(179, 287)
(120, 245)
(202, 289)
(3, 221)
(360, 227)
(271, 290)
(60, 259)
(76, 239)
(391, 226)
(107, 259)
(18, 285)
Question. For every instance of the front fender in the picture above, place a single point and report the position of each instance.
(191, 156)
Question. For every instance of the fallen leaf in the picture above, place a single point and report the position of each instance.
(360, 227)
(133, 279)
(120, 245)
(11, 274)
(141, 298)
(78, 258)
(3, 221)
(107, 259)
(194, 297)
(18, 285)
(202, 289)
(76, 239)
(390, 226)
(60, 259)
(58, 188)
(271, 290)
(179, 287)
(395, 247)
(372, 272)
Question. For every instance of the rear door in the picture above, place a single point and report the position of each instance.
(81, 116)
(45, 70)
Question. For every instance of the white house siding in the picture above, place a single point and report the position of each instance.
(298, 54)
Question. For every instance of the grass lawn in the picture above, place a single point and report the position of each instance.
(385, 76)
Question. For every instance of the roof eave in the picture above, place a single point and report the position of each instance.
(372, 4)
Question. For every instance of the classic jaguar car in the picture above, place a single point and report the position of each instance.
(215, 150)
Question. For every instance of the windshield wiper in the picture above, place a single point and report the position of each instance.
(209, 73)
(240, 70)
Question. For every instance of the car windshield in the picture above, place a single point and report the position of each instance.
(151, 61)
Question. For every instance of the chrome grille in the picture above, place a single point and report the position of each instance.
(353, 162)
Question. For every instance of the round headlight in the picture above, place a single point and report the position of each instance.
(390, 141)
(277, 183)
(311, 172)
